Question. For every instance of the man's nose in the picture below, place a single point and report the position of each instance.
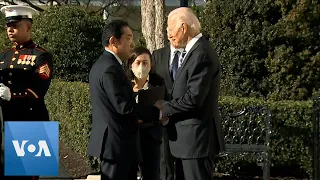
(10, 29)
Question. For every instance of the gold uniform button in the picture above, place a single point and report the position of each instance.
(16, 52)
(30, 109)
(10, 74)
(11, 66)
(9, 82)
(13, 59)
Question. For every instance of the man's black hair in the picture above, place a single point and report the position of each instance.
(115, 29)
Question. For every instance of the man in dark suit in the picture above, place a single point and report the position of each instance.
(114, 112)
(162, 62)
(194, 125)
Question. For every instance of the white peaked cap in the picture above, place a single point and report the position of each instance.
(18, 12)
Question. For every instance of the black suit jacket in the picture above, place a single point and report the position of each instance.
(195, 128)
(161, 66)
(114, 110)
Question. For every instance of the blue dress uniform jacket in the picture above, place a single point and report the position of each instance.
(27, 70)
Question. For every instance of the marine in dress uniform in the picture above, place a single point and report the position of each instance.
(25, 71)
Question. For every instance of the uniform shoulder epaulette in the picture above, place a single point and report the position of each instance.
(40, 48)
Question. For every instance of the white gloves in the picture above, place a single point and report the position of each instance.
(5, 92)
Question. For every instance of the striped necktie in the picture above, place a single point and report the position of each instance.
(175, 64)
(182, 58)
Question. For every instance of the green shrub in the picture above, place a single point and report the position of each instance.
(69, 103)
(267, 48)
(5, 42)
(73, 35)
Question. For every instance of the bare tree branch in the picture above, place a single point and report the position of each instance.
(10, 2)
(88, 3)
(78, 2)
(107, 5)
(32, 5)
(104, 7)
(50, 2)
(41, 2)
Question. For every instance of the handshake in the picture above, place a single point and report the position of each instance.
(162, 120)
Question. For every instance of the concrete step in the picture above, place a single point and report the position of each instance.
(93, 177)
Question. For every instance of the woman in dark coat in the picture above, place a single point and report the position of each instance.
(139, 70)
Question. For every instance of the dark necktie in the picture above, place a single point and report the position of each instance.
(175, 64)
(182, 57)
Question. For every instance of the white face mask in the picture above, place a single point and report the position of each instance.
(141, 71)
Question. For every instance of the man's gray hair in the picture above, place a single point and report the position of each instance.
(185, 15)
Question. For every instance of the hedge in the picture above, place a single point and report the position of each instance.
(5, 43)
(71, 33)
(69, 103)
(268, 49)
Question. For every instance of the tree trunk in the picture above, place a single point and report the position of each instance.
(152, 16)
(148, 23)
(159, 29)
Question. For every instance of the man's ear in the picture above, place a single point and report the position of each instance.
(185, 27)
(28, 24)
(112, 41)
(29, 27)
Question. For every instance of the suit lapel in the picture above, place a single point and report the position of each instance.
(186, 58)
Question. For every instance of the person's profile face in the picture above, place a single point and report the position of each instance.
(126, 44)
(175, 33)
(17, 31)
